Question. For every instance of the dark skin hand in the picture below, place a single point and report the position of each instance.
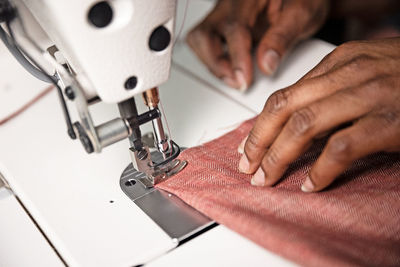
(358, 84)
(225, 38)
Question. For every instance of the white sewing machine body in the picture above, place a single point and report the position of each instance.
(104, 52)
(76, 199)
(108, 51)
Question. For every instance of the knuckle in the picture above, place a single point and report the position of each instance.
(360, 62)
(302, 121)
(338, 51)
(231, 26)
(345, 49)
(277, 102)
(282, 39)
(390, 118)
(350, 96)
(380, 85)
(325, 65)
(236, 29)
(340, 148)
(253, 143)
(386, 82)
(272, 157)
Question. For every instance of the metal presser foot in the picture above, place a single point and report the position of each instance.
(175, 217)
(157, 166)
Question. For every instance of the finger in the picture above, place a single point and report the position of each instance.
(374, 133)
(306, 124)
(241, 145)
(238, 40)
(272, 48)
(208, 47)
(283, 33)
(283, 103)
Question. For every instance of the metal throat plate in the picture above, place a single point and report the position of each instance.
(175, 217)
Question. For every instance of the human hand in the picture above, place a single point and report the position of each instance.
(358, 83)
(223, 40)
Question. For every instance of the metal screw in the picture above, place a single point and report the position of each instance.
(84, 138)
(69, 93)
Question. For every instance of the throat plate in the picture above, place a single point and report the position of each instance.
(175, 217)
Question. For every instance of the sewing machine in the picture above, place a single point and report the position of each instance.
(110, 51)
(81, 216)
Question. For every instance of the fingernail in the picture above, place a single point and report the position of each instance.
(230, 82)
(271, 61)
(241, 146)
(241, 80)
(244, 164)
(258, 178)
(308, 185)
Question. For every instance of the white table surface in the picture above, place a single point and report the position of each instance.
(68, 192)
(21, 242)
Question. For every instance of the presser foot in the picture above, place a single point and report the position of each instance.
(156, 166)
(161, 174)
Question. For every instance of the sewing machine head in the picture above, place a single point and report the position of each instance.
(109, 51)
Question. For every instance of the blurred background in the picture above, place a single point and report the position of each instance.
(360, 20)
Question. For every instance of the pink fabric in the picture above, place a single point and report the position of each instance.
(355, 222)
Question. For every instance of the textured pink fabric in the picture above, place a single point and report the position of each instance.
(355, 222)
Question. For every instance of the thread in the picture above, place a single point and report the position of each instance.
(27, 105)
(166, 121)
(183, 22)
